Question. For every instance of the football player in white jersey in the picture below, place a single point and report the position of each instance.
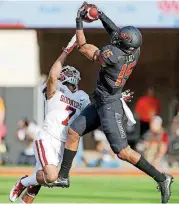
(64, 103)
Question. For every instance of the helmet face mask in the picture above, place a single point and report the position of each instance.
(114, 38)
(71, 75)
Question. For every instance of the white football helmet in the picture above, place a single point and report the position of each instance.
(70, 74)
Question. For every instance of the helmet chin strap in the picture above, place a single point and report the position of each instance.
(114, 38)
(75, 87)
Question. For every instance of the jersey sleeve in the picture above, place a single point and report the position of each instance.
(59, 85)
(109, 54)
(44, 87)
(85, 100)
(86, 103)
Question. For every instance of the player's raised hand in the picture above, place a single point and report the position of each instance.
(81, 11)
(127, 95)
(69, 48)
(87, 12)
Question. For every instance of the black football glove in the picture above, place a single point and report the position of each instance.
(81, 12)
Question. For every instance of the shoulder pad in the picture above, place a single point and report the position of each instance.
(82, 94)
(84, 98)
(110, 54)
(59, 84)
(137, 53)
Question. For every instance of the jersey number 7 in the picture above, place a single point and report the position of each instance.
(73, 111)
(125, 73)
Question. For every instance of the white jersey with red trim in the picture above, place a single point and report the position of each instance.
(62, 109)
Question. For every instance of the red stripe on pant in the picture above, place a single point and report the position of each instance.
(43, 153)
(38, 151)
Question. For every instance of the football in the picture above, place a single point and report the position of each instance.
(91, 14)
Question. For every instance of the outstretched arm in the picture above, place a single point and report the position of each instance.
(57, 67)
(89, 50)
(108, 24)
(53, 75)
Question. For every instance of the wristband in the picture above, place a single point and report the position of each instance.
(79, 24)
(64, 49)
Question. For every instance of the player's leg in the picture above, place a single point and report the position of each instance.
(44, 176)
(112, 120)
(32, 191)
(86, 122)
(47, 169)
(46, 154)
(30, 194)
(47, 161)
(23, 183)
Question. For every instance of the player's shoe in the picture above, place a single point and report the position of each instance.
(165, 188)
(62, 182)
(17, 189)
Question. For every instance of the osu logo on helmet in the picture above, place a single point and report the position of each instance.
(125, 36)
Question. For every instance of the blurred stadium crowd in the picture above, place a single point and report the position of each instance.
(159, 144)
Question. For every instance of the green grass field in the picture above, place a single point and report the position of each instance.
(98, 190)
